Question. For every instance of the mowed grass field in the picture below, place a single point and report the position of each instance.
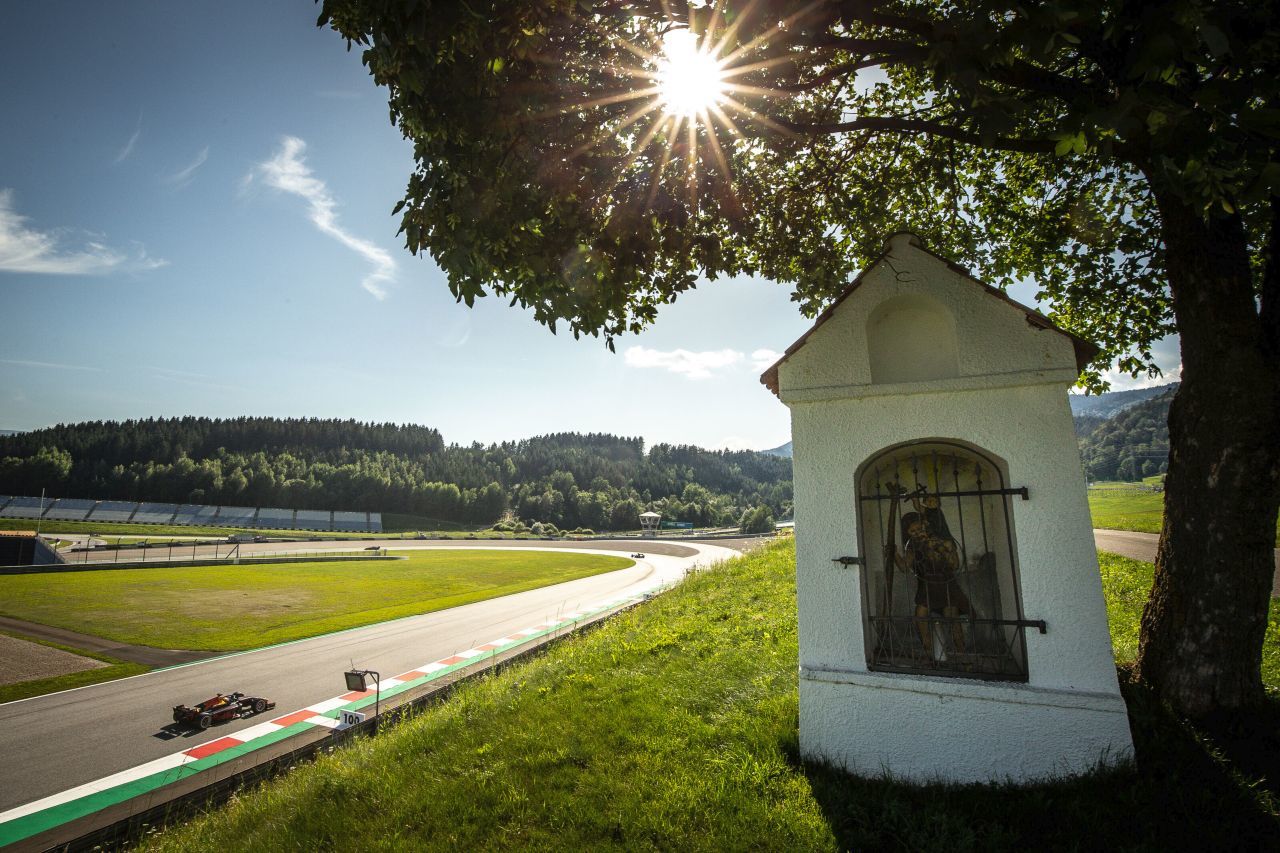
(1124, 506)
(1126, 509)
(675, 727)
(230, 607)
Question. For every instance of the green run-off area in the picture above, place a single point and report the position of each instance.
(242, 607)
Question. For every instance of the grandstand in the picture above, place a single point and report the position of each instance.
(274, 518)
(113, 511)
(20, 507)
(314, 519)
(154, 513)
(195, 514)
(70, 509)
(236, 516)
(355, 522)
(189, 515)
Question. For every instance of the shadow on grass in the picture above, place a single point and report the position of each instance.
(1214, 785)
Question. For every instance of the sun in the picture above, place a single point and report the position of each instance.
(690, 80)
(680, 101)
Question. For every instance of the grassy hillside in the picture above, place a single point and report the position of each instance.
(674, 727)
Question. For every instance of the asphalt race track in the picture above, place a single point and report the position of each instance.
(1142, 546)
(58, 741)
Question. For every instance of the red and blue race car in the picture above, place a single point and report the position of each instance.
(219, 709)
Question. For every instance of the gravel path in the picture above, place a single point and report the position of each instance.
(21, 660)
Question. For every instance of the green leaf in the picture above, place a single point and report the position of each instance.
(1215, 40)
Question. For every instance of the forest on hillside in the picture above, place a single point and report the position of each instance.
(1129, 445)
(572, 480)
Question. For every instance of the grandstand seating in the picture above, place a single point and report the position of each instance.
(113, 511)
(351, 521)
(195, 514)
(25, 508)
(70, 509)
(236, 516)
(314, 519)
(275, 518)
(154, 513)
(269, 518)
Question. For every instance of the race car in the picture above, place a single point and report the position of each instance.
(219, 709)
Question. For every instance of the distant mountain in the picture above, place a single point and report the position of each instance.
(1114, 402)
(10, 431)
(1130, 445)
(780, 450)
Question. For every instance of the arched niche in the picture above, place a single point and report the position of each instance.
(940, 586)
(911, 338)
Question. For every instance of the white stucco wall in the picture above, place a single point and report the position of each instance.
(1009, 398)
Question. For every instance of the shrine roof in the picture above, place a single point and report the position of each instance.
(1085, 351)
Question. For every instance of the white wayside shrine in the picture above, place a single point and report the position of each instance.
(952, 624)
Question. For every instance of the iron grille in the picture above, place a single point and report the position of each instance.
(941, 581)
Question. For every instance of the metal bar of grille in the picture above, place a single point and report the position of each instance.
(952, 622)
(967, 493)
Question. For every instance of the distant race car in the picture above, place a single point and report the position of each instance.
(219, 709)
(637, 556)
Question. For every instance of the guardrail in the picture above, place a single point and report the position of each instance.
(185, 562)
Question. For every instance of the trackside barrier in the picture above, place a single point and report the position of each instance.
(345, 557)
(186, 802)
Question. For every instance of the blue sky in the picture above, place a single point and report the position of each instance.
(195, 218)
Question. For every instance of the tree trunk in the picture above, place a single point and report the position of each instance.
(1203, 627)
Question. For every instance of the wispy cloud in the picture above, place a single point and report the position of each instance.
(457, 333)
(182, 177)
(133, 140)
(690, 365)
(184, 377)
(1124, 382)
(49, 364)
(763, 358)
(25, 250)
(1167, 354)
(288, 172)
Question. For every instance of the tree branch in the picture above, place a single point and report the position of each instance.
(835, 72)
(907, 126)
(869, 13)
(1026, 75)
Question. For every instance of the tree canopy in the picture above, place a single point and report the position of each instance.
(1013, 137)
(1119, 153)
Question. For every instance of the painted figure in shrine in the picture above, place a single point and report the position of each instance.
(930, 553)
